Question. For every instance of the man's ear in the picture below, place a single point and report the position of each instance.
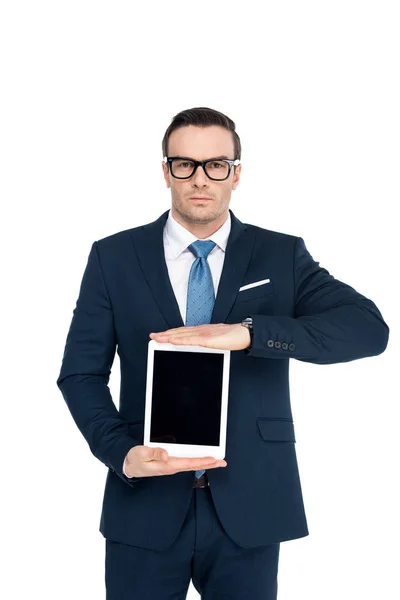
(165, 173)
(236, 177)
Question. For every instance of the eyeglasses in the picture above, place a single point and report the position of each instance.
(184, 168)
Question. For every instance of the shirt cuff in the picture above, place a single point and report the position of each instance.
(123, 470)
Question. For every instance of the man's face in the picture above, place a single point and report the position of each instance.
(201, 143)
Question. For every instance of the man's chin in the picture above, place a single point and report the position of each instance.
(199, 213)
(201, 216)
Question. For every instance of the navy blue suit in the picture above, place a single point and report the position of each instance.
(303, 313)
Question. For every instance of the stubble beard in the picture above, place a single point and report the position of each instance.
(199, 214)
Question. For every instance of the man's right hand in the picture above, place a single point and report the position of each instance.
(145, 461)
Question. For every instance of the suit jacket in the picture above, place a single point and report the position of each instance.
(303, 313)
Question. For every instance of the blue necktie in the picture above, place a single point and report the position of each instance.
(200, 296)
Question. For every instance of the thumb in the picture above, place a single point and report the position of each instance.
(160, 454)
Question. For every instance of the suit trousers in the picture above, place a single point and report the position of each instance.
(202, 553)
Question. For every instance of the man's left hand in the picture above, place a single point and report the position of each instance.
(222, 336)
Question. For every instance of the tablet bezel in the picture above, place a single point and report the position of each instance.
(187, 450)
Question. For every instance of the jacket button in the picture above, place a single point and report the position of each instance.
(270, 343)
(292, 346)
(284, 346)
(277, 344)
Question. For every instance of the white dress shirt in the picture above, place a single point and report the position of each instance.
(179, 259)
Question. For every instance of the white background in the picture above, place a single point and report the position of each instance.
(88, 90)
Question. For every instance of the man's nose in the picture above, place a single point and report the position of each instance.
(200, 176)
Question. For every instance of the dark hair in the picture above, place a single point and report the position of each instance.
(202, 117)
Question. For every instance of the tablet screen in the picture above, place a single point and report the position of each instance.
(186, 397)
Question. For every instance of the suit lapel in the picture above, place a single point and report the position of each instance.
(149, 247)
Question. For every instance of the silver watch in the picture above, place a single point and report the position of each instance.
(248, 322)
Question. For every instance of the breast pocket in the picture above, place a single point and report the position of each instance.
(264, 289)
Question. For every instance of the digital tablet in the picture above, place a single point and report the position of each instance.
(187, 399)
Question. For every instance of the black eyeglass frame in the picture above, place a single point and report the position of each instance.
(198, 163)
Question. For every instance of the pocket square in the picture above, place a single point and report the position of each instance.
(250, 285)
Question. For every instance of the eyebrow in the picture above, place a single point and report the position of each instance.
(221, 157)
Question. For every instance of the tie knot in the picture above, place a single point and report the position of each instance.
(201, 248)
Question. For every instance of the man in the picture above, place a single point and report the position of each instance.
(198, 275)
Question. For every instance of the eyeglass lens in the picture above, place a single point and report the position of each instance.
(217, 169)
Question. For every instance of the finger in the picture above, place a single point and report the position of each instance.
(184, 329)
(215, 465)
(177, 466)
(194, 464)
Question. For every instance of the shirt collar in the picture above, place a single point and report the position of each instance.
(180, 238)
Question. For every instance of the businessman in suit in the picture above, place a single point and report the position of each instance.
(198, 275)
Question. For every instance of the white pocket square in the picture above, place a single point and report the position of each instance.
(250, 285)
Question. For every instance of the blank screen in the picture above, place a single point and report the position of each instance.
(186, 402)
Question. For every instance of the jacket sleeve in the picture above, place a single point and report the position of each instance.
(332, 322)
(86, 366)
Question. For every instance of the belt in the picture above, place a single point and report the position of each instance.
(201, 482)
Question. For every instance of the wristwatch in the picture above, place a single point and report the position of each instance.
(248, 322)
